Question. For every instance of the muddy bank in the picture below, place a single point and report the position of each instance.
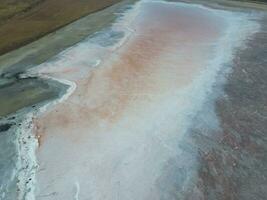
(27, 92)
(233, 157)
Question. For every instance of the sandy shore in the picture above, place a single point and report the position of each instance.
(119, 131)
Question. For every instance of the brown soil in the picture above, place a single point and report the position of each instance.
(22, 22)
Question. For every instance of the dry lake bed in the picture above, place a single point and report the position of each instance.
(144, 100)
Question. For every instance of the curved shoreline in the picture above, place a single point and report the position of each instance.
(27, 165)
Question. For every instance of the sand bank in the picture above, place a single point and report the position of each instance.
(119, 131)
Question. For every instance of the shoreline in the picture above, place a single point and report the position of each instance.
(28, 161)
(22, 124)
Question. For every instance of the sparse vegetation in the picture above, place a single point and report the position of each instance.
(10, 8)
(23, 21)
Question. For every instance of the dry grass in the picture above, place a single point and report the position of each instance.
(9, 8)
(27, 20)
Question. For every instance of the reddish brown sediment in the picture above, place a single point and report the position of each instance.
(85, 137)
(136, 68)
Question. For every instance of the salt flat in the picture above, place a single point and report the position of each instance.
(117, 133)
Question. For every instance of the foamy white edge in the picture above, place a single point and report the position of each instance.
(27, 163)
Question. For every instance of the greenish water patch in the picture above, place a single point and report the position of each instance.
(26, 92)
